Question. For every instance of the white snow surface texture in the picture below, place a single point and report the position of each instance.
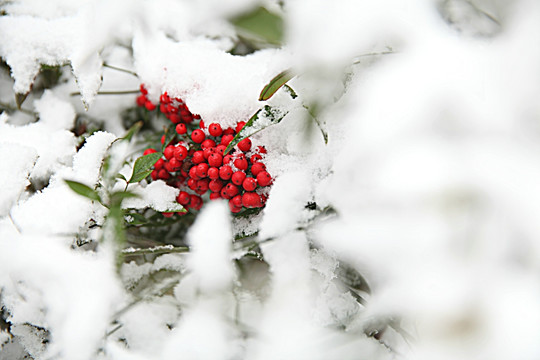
(430, 181)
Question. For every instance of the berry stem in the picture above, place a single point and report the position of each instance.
(116, 92)
(120, 69)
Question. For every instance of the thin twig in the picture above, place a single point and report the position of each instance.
(12, 108)
(357, 59)
(155, 250)
(116, 92)
(120, 69)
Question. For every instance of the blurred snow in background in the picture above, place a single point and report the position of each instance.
(430, 178)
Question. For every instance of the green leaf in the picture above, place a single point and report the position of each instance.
(122, 177)
(117, 197)
(275, 84)
(135, 219)
(262, 24)
(132, 131)
(263, 118)
(142, 167)
(169, 135)
(83, 190)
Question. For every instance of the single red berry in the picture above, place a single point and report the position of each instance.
(208, 143)
(238, 177)
(237, 201)
(249, 184)
(241, 163)
(181, 129)
(192, 184)
(141, 100)
(231, 190)
(213, 173)
(245, 145)
(180, 152)
(240, 125)
(208, 151)
(215, 196)
(264, 178)
(215, 160)
(202, 170)
(193, 173)
(173, 165)
(198, 157)
(255, 157)
(149, 106)
(215, 185)
(159, 164)
(198, 136)
(196, 202)
(261, 149)
(183, 198)
(201, 124)
(229, 131)
(227, 159)
(164, 98)
(257, 168)
(163, 139)
(225, 172)
(223, 193)
(143, 89)
(149, 151)
(220, 149)
(154, 175)
(164, 174)
(167, 214)
(202, 186)
(168, 152)
(215, 129)
(251, 200)
(226, 139)
(234, 209)
(163, 108)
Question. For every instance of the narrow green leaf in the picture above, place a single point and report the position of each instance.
(169, 135)
(117, 197)
(135, 219)
(142, 167)
(133, 130)
(261, 24)
(83, 190)
(263, 118)
(275, 84)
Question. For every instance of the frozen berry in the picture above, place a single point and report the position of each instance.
(175, 119)
(202, 170)
(208, 143)
(168, 152)
(215, 196)
(231, 190)
(238, 177)
(228, 131)
(149, 106)
(198, 136)
(255, 157)
(173, 165)
(141, 100)
(183, 198)
(193, 173)
(167, 214)
(215, 129)
(249, 184)
(240, 125)
(159, 164)
(220, 149)
(198, 157)
(264, 178)
(196, 202)
(149, 151)
(226, 139)
(213, 173)
(225, 172)
(245, 145)
(241, 163)
(164, 174)
(202, 186)
(215, 160)
(237, 201)
(251, 200)
(215, 185)
(180, 152)
(201, 124)
(143, 89)
(257, 168)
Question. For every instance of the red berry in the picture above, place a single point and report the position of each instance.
(215, 196)
(181, 129)
(220, 149)
(215, 160)
(213, 173)
(264, 178)
(255, 157)
(202, 186)
(154, 175)
(159, 164)
(257, 168)
(163, 108)
(149, 151)
(233, 208)
(183, 198)
(168, 152)
(196, 202)
(215, 129)
(249, 184)
(240, 125)
(208, 151)
(227, 159)
(226, 139)
(251, 200)
(149, 106)
(164, 98)
(162, 139)
(180, 152)
(241, 163)
(231, 190)
(192, 184)
(215, 185)
(225, 172)
(202, 170)
(167, 214)
(164, 174)
(198, 157)
(223, 193)
(143, 89)
(208, 143)
(228, 131)
(238, 177)
(193, 173)
(245, 145)
(261, 149)
(173, 165)
(198, 136)
(141, 100)
(237, 201)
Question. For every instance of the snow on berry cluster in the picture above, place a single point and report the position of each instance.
(195, 162)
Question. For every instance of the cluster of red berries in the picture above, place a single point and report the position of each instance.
(174, 108)
(194, 161)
